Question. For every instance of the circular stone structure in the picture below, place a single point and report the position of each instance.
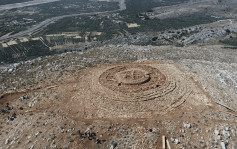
(132, 88)
(137, 82)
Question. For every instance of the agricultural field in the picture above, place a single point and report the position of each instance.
(110, 25)
(19, 19)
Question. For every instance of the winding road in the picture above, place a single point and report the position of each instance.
(45, 23)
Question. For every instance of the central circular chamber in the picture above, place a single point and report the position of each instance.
(132, 78)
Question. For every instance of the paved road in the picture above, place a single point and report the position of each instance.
(25, 4)
(54, 19)
(122, 5)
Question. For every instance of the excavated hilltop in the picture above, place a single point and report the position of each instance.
(124, 96)
(96, 74)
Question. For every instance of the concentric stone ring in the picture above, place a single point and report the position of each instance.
(132, 79)
(132, 88)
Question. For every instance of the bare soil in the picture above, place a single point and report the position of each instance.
(133, 102)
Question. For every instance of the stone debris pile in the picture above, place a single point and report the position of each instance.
(90, 135)
(7, 110)
(22, 98)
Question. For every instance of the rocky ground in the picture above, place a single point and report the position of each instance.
(205, 33)
(217, 8)
(35, 94)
